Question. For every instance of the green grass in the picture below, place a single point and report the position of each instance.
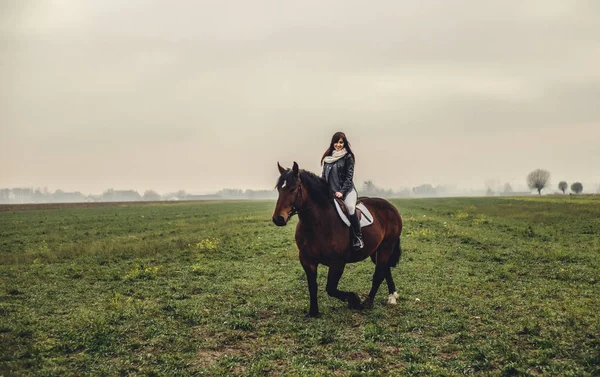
(488, 286)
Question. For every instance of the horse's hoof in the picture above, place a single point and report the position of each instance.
(392, 299)
(354, 302)
(312, 315)
(368, 304)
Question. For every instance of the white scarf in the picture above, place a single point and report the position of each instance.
(335, 155)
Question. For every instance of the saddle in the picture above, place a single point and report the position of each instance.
(364, 216)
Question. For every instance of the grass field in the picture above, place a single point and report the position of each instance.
(488, 286)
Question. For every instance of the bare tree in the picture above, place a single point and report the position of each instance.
(369, 188)
(538, 179)
(5, 195)
(562, 186)
(109, 196)
(424, 190)
(508, 188)
(577, 187)
(181, 194)
(151, 195)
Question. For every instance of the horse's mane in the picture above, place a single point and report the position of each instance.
(316, 187)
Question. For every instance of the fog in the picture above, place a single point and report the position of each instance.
(201, 96)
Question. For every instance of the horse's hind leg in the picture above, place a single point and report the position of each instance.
(391, 288)
(333, 279)
(393, 295)
(381, 258)
(381, 271)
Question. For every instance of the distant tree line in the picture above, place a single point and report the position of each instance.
(247, 194)
(370, 189)
(540, 179)
(30, 195)
(424, 190)
(495, 188)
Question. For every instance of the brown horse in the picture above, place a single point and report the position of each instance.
(323, 238)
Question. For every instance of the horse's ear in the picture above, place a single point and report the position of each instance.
(281, 170)
(295, 169)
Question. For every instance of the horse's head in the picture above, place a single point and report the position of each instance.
(290, 194)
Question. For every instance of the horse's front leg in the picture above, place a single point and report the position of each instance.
(333, 279)
(310, 269)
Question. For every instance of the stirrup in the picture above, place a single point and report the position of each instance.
(360, 245)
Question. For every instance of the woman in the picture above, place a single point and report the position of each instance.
(338, 171)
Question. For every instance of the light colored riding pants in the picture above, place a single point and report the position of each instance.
(350, 201)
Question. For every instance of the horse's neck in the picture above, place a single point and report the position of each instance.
(316, 216)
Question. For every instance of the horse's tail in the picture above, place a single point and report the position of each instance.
(395, 257)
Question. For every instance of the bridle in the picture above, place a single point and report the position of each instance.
(295, 208)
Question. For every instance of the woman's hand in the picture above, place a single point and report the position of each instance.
(338, 194)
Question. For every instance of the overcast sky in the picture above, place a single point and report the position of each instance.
(204, 95)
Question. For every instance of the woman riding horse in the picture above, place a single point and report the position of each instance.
(323, 238)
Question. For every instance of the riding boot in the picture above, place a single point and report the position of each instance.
(357, 241)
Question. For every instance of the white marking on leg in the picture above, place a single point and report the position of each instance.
(392, 299)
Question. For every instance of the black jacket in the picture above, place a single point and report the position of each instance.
(339, 175)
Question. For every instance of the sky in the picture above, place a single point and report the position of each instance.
(205, 95)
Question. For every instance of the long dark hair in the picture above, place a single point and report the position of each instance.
(337, 136)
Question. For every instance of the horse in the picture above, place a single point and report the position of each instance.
(322, 237)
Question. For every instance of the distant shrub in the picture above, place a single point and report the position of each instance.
(577, 187)
(562, 186)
